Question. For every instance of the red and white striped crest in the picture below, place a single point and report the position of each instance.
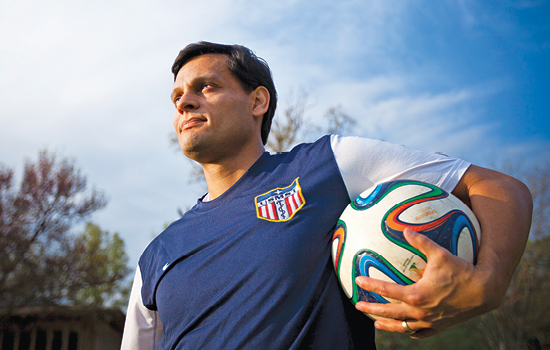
(280, 204)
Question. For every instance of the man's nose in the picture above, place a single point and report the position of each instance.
(186, 102)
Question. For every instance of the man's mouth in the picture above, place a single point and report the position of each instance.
(192, 122)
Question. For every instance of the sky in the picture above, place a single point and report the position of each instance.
(91, 81)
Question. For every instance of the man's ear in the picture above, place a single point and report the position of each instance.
(261, 101)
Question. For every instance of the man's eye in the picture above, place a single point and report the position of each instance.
(205, 86)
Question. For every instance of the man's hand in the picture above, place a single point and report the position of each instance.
(451, 291)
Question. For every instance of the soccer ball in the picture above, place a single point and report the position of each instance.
(368, 239)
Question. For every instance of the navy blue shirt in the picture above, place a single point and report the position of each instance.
(252, 269)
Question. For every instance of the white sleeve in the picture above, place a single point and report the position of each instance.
(364, 163)
(142, 329)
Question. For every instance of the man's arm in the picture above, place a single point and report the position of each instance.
(452, 290)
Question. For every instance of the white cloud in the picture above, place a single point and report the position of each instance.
(92, 81)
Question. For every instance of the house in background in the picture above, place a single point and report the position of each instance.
(61, 328)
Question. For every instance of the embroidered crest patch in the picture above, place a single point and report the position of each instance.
(280, 204)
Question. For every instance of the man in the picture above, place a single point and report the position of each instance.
(249, 266)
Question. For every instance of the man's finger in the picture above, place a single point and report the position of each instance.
(420, 329)
(424, 244)
(382, 288)
(395, 311)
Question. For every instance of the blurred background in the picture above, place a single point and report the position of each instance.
(89, 165)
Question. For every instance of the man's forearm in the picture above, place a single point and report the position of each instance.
(503, 206)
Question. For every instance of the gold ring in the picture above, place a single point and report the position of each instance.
(406, 327)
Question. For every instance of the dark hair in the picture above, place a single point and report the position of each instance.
(251, 71)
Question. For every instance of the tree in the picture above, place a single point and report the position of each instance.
(339, 122)
(288, 128)
(293, 125)
(523, 321)
(100, 269)
(42, 262)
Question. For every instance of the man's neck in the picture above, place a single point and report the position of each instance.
(220, 176)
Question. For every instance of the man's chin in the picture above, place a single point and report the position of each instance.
(191, 143)
(194, 149)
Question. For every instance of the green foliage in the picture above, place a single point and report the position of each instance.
(102, 265)
(463, 336)
(523, 321)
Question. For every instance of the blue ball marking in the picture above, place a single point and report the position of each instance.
(366, 260)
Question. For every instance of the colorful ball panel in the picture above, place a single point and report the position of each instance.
(369, 241)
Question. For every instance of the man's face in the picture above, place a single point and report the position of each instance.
(214, 115)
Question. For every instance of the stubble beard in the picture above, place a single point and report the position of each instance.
(201, 148)
(191, 147)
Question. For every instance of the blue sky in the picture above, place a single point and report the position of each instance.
(91, 80)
